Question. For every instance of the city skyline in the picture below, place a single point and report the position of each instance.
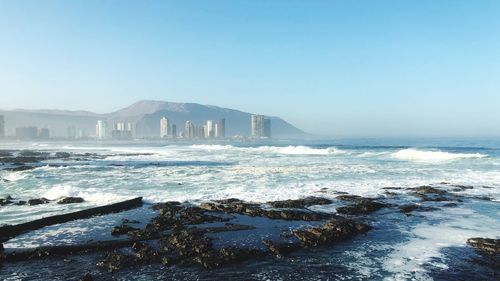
(334, 67)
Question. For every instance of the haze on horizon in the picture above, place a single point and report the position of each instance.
(340, 68)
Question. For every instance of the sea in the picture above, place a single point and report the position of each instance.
(425, 246)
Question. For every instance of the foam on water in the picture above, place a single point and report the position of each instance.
(89, 194)
(451, 227)
(432, 156)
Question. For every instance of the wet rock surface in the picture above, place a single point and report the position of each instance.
(300, 203)
(485, 245)
(70, 200)
(332, 231)
(38, 201)
(189, 235)
(361, 206)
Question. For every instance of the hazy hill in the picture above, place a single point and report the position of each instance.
(147, 115)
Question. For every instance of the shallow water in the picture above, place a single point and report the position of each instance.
(399, 248)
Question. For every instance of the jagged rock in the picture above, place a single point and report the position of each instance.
(485, 245)
(37, 201)
(350, 197)
(115, 261)
(362, 206)
(6, 201)
(62, 155)
(428, 190)
(332, 231)
(70, 200)
(236, 206)
(21, 168)
(226, 255)
(300, 203)
(281, 249)
(408, 208)
(122, 229)
(20, 203)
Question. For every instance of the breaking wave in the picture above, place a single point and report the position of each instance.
(412, 154)
(288, 150)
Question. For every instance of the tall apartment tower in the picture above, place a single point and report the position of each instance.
(101, 129)
(267, 128)
(261, 127)
(220, 129)
(189, 131)
(2, 127)
(165, 127)
(210, 129)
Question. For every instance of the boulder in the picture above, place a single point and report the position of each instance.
(331, 232)
(485, 245)
(300, 203)
(362, 206)
(70, 200)
(38, 201)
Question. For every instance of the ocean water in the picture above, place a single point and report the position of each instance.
(421, 247)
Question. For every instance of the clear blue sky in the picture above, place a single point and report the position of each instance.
(341, 68)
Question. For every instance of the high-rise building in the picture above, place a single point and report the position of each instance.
(201, 132)
(174, 130)
(220, 129)
(2, 127)
(165, 127)
(101, 129)
(189, 131)
(27, 133)
(121, 131)
(210, 129)
(267, 128)
(261, 127)
(71, 132)
(44, 133)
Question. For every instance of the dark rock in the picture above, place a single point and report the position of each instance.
(21, 168)
(62, 155)
(485, 245)
(415, 207)
(300, 203)
(363, 206)
(20, 203)
(5, 180)
(37, 201)
(281, 249)
(122, 229)
(236, 206)
(331, 232)
(427, 190)
(450, 205)
(462, 187)
(350, 197)
(70, 200)
(5, 201)
(115, 261)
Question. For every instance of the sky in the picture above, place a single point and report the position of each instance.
(335, 68)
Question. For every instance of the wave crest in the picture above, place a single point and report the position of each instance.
(412, 154)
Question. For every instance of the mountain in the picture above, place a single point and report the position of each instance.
(146, 114)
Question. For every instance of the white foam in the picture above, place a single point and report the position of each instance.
(90, 195)
(298, 150)
(455, 227)
(432, 156)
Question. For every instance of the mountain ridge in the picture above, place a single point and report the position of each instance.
(146, 114)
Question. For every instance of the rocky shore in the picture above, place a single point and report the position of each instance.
(184, 234)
